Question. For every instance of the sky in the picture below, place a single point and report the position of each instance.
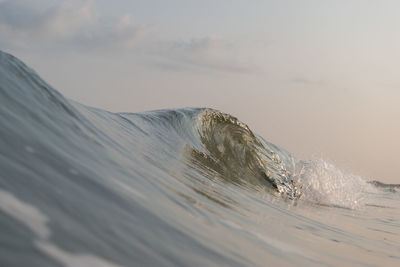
(318, 78)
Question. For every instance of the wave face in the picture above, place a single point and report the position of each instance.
(81, 186)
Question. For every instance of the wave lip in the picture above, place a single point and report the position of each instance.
(239, 155)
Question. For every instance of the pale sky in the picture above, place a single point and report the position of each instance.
(318, 78)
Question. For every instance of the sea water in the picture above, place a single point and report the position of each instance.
(80, 186)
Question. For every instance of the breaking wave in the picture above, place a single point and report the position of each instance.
(80, 164)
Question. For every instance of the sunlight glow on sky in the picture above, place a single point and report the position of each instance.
(319, 78)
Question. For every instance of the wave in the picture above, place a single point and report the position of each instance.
(39, 118)
(387, 187)
(84, 186)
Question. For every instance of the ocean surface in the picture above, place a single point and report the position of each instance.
(80, 186)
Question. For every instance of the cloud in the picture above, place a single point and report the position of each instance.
(75, 24)
(200, 45)
(303, 80)
(68, 18)
(201, 54)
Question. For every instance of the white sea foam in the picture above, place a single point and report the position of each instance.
(267, 240)
(36, 221)
(323, 183)
(279, 245)
(25, 213)
(70, 259)
(128, 190)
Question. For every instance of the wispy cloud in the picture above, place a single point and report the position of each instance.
(303, 80)
(76, 24)
(201, 54)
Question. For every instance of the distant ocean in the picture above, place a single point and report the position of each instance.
(81, 186)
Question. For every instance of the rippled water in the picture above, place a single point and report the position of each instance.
(81, 186)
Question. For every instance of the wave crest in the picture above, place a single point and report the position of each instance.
(235, 152)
